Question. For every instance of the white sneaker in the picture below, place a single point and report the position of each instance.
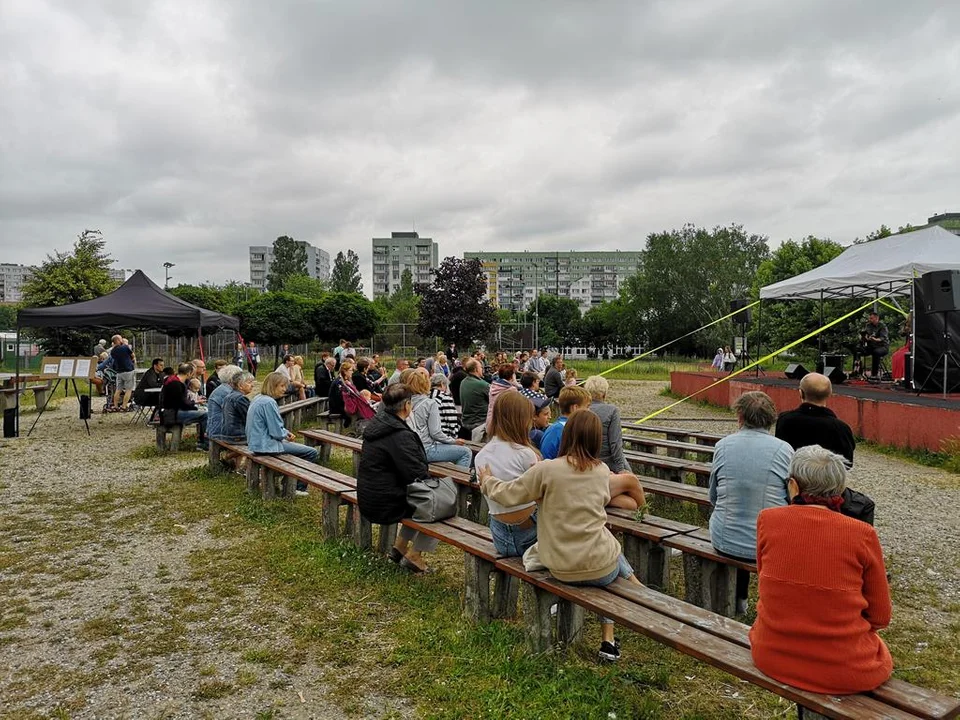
(302, 493)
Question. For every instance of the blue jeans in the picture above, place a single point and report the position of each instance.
(623, 570)
(458, 454)
(511, 541)
(198, 418)
(301, 451)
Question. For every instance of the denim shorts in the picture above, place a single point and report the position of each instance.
(511, 541)
(623, 570)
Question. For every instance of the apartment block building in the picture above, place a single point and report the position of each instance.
(514, 279)
(12, 278)
(261, 256)
(401, 251)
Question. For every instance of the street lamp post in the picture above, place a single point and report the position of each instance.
(166, 273)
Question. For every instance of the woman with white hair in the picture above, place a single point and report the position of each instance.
(625, 489)
(228, 376)
(823, 586)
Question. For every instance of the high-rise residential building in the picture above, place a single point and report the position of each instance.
(948, 221)
(401, 251)
(12, 278)
(261, 256)
(514, 279)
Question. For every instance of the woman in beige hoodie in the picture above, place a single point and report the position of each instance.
(571, 492)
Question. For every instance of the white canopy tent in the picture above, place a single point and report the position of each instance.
(879, 267)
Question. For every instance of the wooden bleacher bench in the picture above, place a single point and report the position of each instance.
(668, 468)
(8, 396)
(678, 434)
(709, 578)
(294, 414)
(491, 592)
(674, 448)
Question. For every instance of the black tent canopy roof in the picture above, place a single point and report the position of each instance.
(138, 303)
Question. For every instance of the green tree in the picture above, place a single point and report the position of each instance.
(234, 294)
(305, 286)
(65, 278)
(345, 276)
(784, 322)
(881, 232)
(344, 315)
(8, 318)
(601, 327)
(209, 297)
(274, 318)
(454, 306)
(687, 279)
(403, 306)
(559, 320)
(289, 258)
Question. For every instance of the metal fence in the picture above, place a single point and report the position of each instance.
(399, 339)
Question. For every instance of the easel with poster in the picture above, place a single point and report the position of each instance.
(68, 370)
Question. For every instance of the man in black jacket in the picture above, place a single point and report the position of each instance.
(553, 379)
(813, 423)
(323, 376)
(391, 458)
(151, 380)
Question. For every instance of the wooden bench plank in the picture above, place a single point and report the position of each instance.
(701, 435)
(670, 445)
(709, 648)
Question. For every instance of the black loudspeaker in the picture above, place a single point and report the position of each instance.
(85, 407)
(10, 422)
(827, 361)
(795, 371)
(941, 291)
(742, 316)
(835, 373)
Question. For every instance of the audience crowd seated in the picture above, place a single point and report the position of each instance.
(570, 400)
(152, 380)
(235, 409)
(474, 401)
(227, 377)
(749, 473)
(175, 407)
(823, 586)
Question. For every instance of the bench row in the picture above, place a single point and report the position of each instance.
(491, 591)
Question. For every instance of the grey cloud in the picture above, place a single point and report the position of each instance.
(188, 130)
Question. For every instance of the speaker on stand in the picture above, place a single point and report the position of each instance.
(941, 294)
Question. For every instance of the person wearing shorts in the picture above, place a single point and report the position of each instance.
(125, 367)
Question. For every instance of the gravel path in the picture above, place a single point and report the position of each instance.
(92, 590)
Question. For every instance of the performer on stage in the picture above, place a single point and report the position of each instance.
(875, 342)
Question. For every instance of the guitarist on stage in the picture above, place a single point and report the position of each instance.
(875, 342)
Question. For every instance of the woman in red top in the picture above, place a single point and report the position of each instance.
(823, 586)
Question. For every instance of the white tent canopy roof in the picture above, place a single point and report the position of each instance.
(878, 267)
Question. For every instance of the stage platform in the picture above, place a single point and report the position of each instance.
(881, 413)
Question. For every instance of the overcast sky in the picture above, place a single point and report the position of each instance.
(186, 131)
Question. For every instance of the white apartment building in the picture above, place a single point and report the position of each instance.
(261, 256)
(514, 279)
(12, 278)
(401, 251)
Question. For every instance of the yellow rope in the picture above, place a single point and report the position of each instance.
(762, 360)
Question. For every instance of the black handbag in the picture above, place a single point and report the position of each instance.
(858, 506)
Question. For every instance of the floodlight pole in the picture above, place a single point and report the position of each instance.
(166, 272)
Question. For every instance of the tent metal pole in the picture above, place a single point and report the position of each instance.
(820, 336)
(759, 335)
(16, 385)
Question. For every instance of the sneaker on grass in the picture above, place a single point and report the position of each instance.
(609, 652)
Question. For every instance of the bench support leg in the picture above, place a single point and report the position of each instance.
(356, 464)
(710, 585)
(386, 538)
(506, 594)
(330, 514)
(360, 529)
(536, 617)
(805, 714)
(650, 560)
(477, 588)
(269, 481)
(569, 623)
(213, 461)
(253, 478)
(289, 487)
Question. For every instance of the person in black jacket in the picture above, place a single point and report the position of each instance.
(359, 378)
(151, 380)
(391, 458)
(176, 408)
(456, 377)
(813, 423)
(323, 375)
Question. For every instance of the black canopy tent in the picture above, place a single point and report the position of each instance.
(138, 303)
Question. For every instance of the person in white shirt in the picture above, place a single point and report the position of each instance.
(509, 453)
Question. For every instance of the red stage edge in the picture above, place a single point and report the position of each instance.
(893, 421)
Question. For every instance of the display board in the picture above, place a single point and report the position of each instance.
(78, 368)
